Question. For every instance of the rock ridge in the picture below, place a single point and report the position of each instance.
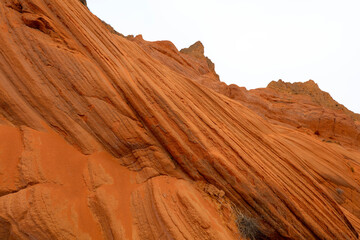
(128, 139)
(310, 88)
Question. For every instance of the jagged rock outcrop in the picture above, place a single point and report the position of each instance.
(197, 51)
(189, 62)
(105, 137)
(310, 88)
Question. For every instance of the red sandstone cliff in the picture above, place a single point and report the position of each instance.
(103, 137)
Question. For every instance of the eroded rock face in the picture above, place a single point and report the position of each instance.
(311, 89)
(306, 107)
(303, 106)
(105, 137)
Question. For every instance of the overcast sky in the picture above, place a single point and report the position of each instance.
(253, 42)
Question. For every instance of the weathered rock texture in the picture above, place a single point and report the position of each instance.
(299, 105)
(311, 89)
(103, 137)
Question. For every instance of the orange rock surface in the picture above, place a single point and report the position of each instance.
(104, 137)
(299, 105)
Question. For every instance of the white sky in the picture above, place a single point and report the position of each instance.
(253, 42)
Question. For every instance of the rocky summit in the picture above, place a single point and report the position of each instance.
(110, 137)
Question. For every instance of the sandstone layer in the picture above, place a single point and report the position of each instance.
(299, 105)
(104, 137)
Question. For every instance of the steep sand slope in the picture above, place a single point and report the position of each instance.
(100, 140)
